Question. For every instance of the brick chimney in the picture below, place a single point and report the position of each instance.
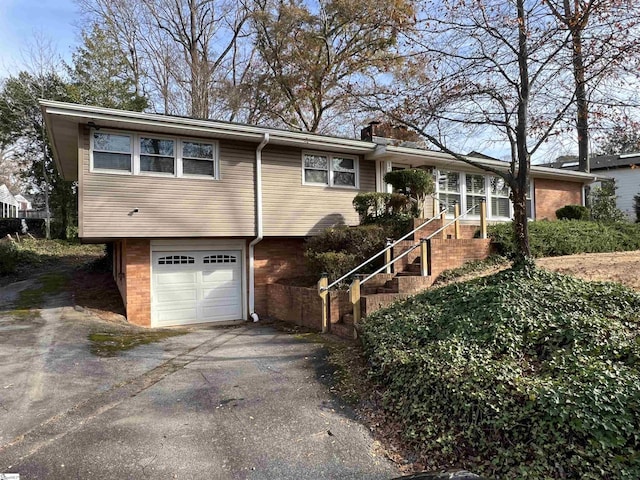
(385, 132)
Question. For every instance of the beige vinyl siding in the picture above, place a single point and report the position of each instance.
(169, 206)
(293, 209)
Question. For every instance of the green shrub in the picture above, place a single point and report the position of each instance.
(9, 258)
(524, 374)
(372, 206)
(603, 204)
(573, 212)
(414, 183)
(339, 249)
(548, 239)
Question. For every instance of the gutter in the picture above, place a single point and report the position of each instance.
(255, 241)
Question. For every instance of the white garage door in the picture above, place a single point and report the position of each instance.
(196, 287)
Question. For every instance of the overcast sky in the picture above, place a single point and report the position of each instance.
(20, 20)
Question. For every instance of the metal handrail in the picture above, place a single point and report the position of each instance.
(366, 262)
(404, 254)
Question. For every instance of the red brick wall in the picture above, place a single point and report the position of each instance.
(137, 278)
(276, 259)
(448, 254)
(550, 195)
(298, 305)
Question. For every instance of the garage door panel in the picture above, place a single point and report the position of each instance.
(176, 278)
(206, 289)
(173, 296)
(179, 312)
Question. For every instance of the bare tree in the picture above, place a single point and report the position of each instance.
(314, 52)
(604, 46)
(492, 69)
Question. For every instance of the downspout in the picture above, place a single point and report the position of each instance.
(252, 281)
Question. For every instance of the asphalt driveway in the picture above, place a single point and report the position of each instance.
(229, 403)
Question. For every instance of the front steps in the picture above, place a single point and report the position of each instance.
(382, 290)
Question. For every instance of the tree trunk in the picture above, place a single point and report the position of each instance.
(582, 105)
(520, 226)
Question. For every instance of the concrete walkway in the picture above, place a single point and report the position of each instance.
(227, 403)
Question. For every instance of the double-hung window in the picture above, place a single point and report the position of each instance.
(476, 192)
(500, 203)
(157, 155)
(112, 151)
(449, 189)
(330, 170)
(133, 153)
(198, 159)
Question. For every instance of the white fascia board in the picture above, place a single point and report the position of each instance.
(441, 159)
(191, 126)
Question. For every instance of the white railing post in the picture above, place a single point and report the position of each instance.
(456, 225)
(324, 294)
(387, 256)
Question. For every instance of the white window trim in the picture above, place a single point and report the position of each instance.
(216, 158)
(132, 144)
(488, 195)
(330, 155)
(176, 161)
(135, 155)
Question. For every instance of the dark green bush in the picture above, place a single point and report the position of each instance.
(525, 374)
(337, 250)
(9, 258)
(548, 239)
(374, 205)
(573, 212)
(414, 183)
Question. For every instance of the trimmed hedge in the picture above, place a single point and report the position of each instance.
(573, 212)
(567, 237)
(524, 374)
(340, 249)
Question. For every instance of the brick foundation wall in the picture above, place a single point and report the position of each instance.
(298, 305)
(550, 195)
(447, 254)
(137, 281)
(276, 259)
(468, 228)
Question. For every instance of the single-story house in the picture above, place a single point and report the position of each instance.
(624, 169)
(8, 203)
(203, 214)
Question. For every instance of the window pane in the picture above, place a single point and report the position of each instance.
(448, 200)
(112, 161)
(316, 176)
(344, 164)
(156, 164)
(499, 187)
(316, 161)
(197, 150)
(475, 184)
(111, 142)
(156, 146)
(500, 207)
(529, 208)
(474, 201)
(197, 167)
(449, 181)
(344, 178)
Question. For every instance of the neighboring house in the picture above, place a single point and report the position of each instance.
(8, 203)
(624, 169)
(24, 205)
(204, 214)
